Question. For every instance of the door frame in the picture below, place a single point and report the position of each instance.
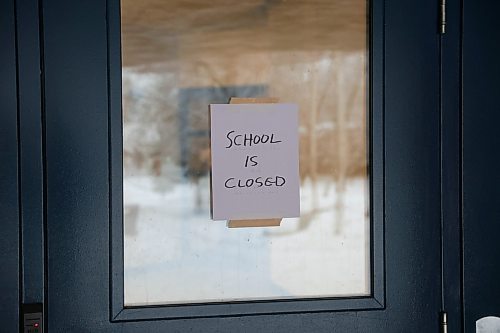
(375, 121)
(9, 172)
(111, 26)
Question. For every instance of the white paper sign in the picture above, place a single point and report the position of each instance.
(255, 161)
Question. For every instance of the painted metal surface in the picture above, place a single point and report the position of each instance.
(30, 150)
(80, 91)
(9, 195)
(82, 88)
(480, 160)
(450, 166)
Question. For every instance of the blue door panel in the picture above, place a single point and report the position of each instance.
(480, 161)
(9, 195)
(77, 53)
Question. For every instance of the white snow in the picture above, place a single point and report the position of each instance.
(174, 253)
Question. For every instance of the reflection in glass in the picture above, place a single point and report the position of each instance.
(178, 57)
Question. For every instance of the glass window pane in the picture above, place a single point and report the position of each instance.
(181, 55)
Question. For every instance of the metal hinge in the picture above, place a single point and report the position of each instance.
(443, 322)
(442, 17)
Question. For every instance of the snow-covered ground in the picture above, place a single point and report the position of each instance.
(175, 253)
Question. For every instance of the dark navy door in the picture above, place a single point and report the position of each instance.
(481, 212)
(84, 264)
(75, 264)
